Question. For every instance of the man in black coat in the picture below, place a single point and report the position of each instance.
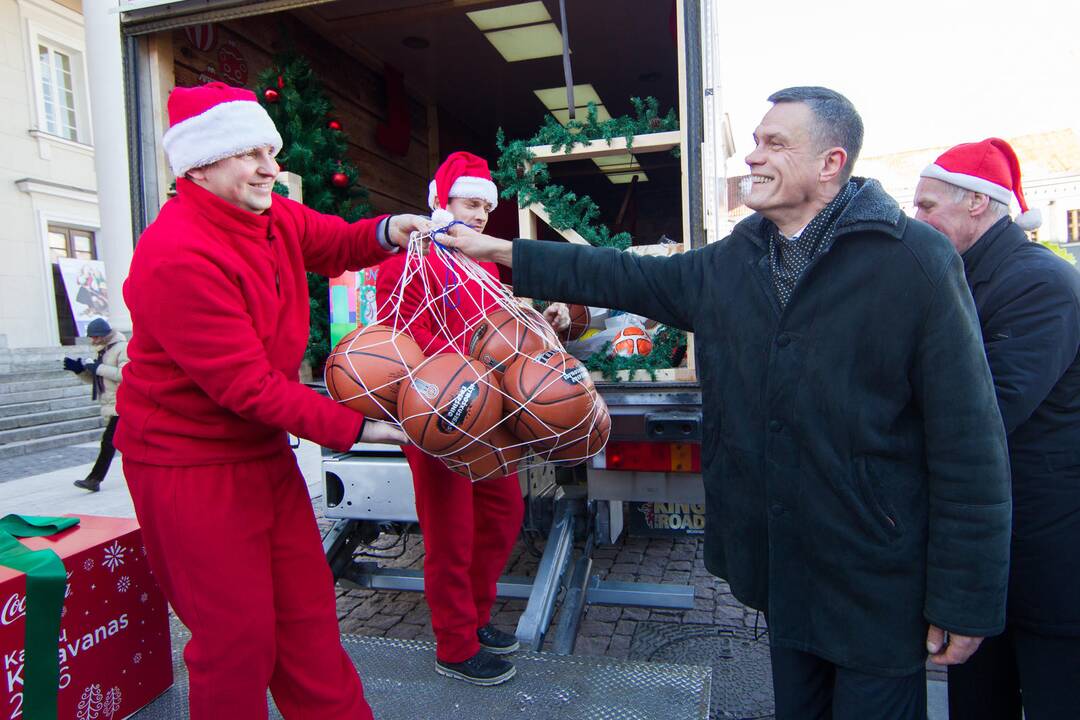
(855, 466)
(1028, 301)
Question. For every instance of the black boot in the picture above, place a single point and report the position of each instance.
(88, 484)
(483, 668)
(496, 641)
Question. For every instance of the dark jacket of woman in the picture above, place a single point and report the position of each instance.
(855, 465)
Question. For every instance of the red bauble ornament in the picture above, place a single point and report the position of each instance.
(334, 125)
(340, 180)
(271, 95)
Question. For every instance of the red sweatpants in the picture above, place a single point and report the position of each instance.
(238, 555)
(469, 530)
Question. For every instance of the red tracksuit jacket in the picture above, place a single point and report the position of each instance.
(219, 306)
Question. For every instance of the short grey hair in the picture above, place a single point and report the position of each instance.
(838, 122)
(995, 210)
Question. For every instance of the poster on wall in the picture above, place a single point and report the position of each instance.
(88, 294)
(352, 302)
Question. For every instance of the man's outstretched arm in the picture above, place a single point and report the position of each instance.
(662, 288)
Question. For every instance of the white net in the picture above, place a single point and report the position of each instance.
(473, 375)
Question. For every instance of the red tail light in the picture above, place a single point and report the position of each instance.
(653, 456)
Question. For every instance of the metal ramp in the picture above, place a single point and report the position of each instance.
(401, 684)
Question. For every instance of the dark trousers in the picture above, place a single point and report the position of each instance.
(807, 687)
(1018, 669)
(105, 455)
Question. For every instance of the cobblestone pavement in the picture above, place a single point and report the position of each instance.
(47, 461)
(605, 631)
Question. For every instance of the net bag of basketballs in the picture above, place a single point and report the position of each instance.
(474, 376)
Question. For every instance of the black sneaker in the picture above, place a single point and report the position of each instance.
(483, 668)
(88, 484)
(496, 641)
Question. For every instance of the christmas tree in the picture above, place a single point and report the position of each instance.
(314, 146)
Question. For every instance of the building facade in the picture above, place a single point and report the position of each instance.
(48, 186)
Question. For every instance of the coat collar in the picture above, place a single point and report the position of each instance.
(223, 215)
(990, 250)
(871, 209)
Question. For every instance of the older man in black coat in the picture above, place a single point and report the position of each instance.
(855, 466)
(1028, 301)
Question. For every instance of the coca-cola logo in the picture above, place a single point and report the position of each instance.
(14, 608)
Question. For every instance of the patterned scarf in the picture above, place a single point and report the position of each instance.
(789, 257)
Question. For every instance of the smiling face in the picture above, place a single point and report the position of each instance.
(473, 212)
(788, 170)
(245, 181)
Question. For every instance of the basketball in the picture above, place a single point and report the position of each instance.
(446, 403)
(496, 456)
(366, 369)
(581, 443)
(499, 337)
(546, 394)
(631, 341)
(579, 323)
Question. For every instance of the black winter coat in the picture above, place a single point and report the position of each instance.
(855, 465)
(1029, 307)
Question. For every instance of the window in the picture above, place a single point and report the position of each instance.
(61, 104)
(1073, 226)
(69, 242)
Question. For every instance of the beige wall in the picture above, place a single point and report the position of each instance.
(58, 175)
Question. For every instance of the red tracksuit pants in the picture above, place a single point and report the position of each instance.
(469, 530)
(237, 552)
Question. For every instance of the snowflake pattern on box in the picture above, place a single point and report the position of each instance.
(137, 658)
(90, 703)
(114, 556)
(88, 564)
(123, 584)
(111, 705)
(144, 597)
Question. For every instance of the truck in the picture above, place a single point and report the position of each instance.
(416, 79)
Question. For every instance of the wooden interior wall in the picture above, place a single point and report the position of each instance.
(396, 183)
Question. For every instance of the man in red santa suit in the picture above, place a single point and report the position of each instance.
(469, 528)
(219, 303)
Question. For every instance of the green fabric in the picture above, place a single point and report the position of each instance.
(45, 583)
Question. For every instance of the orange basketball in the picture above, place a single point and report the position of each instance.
(366, 368)
(579, 323)
(631, 341)
(499, 338)
(581, 443)
(496, 456)
(546, 394)
(446, 403)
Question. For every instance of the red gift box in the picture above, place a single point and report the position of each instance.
(115, 653)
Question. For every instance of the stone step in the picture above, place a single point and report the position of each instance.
(24, 447)
(41, 406)
(9, 387)
(58, 428)
(51, 416)
(40, 374)
(73, 391)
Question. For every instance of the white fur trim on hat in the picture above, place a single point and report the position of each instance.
(1030, 220)
(442, 217)
(969, 182)
(467, 187)
(224, 130)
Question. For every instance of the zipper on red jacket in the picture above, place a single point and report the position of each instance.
(273, 259)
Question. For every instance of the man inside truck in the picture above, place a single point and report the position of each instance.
(469, 528)
(855, 466)
(219, 302)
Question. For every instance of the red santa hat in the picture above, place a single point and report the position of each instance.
(989, 167)
(462, 175)
(215, 121)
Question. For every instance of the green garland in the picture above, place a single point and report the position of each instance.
(314, 151)
(528, 182)
(666, 341)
